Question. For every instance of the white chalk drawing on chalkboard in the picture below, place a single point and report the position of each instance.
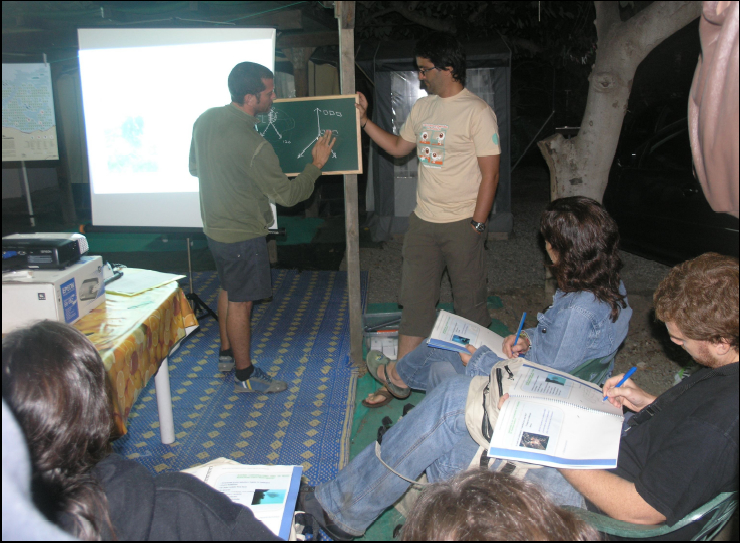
(319, 113)
(277, 124)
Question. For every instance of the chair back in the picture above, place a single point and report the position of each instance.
(720, 508)
(596, 370)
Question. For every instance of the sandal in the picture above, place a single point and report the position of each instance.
(387, 397)
(376, 359)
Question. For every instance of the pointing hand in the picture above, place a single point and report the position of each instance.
(322, 150)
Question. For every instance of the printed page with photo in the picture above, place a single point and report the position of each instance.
(269, 491)
(554, 419)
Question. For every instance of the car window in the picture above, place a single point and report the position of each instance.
(672, 152)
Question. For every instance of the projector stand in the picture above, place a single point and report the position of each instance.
(200, 308)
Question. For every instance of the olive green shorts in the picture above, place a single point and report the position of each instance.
(429, 248)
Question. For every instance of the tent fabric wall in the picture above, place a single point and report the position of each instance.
(391, 185)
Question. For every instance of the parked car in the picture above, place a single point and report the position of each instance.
(659, 205)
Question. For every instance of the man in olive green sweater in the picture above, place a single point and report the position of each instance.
(239, 175)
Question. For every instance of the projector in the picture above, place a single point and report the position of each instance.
(43, 250)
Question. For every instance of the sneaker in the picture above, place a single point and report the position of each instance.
(259, 382)
(308, 503)
(225, 361)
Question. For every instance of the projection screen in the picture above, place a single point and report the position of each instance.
(142, 90)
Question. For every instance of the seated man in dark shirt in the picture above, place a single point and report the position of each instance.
(678, 450)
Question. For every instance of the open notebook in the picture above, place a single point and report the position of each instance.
(554, 419)
(269, 491)
(453, 333)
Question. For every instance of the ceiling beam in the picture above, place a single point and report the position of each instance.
(313, 39)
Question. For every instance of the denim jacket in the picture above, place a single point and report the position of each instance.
(577, 327)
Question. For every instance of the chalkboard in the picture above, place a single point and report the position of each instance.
(293, 125)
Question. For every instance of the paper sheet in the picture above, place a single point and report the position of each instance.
(135, 281)
(387, 345)
(269, 491)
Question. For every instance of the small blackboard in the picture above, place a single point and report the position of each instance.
(293, 125)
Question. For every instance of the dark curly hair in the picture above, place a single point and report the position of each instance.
(700, 296)
(54, 383)
(443, 50)
(585, 240)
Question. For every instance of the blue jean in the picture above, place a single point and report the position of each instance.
(432, 437)
(426, 367)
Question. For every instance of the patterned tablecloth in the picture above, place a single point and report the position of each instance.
(133, 335)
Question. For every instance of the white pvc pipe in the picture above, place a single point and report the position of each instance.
(164, 404)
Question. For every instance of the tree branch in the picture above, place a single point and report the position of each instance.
(657, 22)
(607, 14)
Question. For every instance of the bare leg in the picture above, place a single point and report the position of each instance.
(239, 330)
(223, 314)
(406, 344)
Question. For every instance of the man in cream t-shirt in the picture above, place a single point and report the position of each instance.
(455, 135)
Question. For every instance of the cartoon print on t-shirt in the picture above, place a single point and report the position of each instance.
(431, 145)
(438, 157)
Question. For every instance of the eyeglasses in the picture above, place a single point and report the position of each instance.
(423, 71)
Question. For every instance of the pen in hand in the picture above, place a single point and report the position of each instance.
(519, 331)
(623, 380)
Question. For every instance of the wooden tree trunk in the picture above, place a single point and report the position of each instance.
(580, 166)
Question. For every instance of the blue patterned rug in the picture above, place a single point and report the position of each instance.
(301, 337)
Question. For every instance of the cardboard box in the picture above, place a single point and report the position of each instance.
(62, 295)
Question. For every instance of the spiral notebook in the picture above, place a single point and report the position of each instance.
(554, 419)
(454, 333)
(269, 491)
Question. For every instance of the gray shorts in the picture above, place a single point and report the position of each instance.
(243, 269)
(427, 249)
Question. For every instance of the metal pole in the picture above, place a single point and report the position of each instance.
(190, 267)
(28, 192)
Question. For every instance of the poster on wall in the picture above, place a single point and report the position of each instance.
(29, 126)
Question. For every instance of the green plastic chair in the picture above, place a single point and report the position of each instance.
(596, 370)
(720, 508)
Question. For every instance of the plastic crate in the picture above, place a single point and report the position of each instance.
(387, 332)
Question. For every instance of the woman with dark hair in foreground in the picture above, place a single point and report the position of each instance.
(479, 505)
(54, 383)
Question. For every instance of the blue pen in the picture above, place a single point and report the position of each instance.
(519, 331)
(626, 376)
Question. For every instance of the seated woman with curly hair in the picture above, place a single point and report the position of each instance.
(584, 327)
(54, 383)
(587, 320)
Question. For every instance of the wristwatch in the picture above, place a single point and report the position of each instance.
(479, 226)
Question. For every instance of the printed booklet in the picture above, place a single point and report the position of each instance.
(554, 419)
(453, 333)
(270, 492)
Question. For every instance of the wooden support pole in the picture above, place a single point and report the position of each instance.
(298, 57)
(345, 13)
